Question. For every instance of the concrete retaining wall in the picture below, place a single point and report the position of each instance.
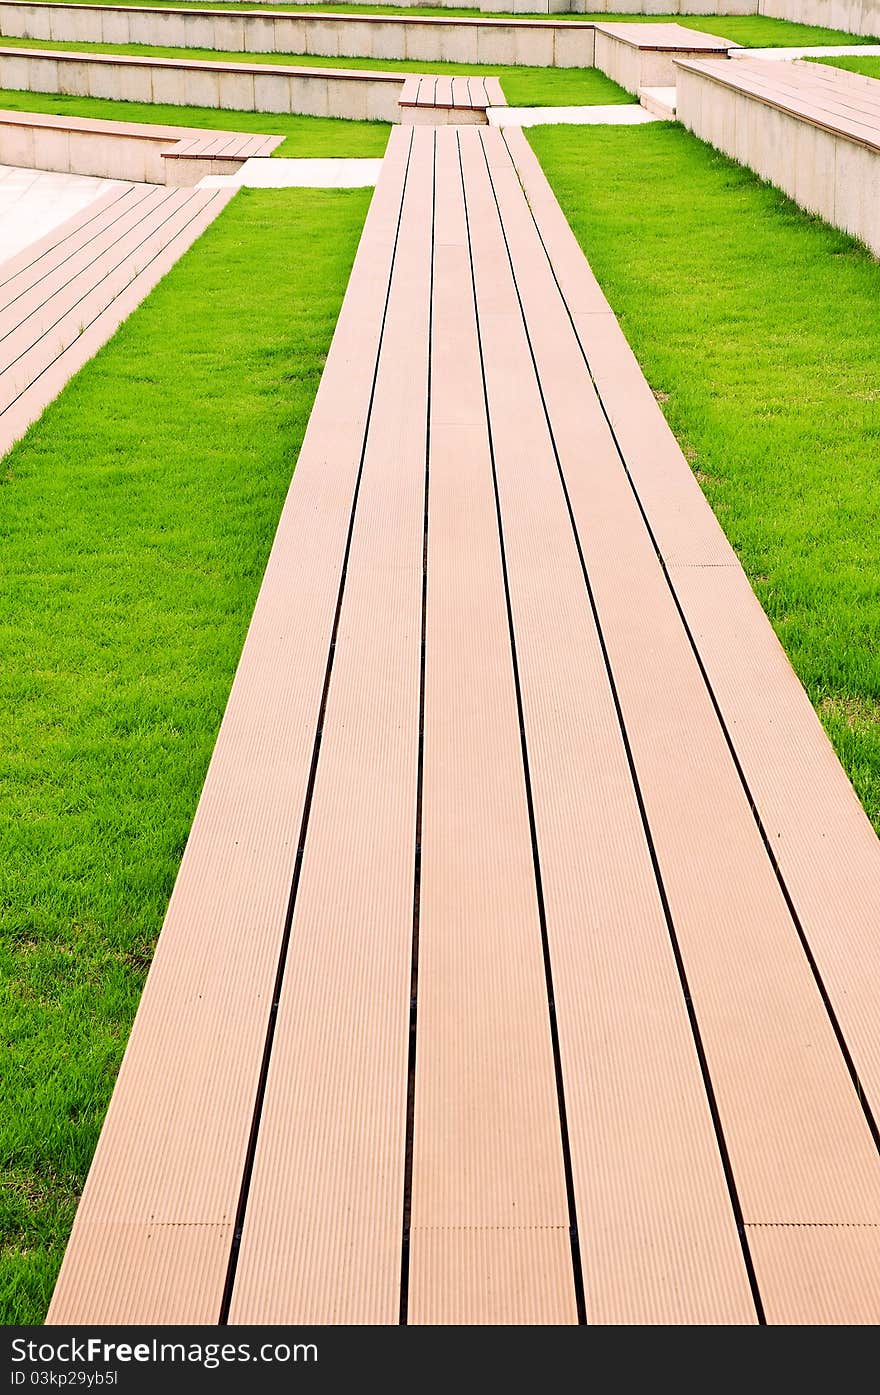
(825, 173)
(544, 7)
(427, 40)
(230, 86)
(854, 16)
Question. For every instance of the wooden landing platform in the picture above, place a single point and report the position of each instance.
(522, 966)
(429, 100)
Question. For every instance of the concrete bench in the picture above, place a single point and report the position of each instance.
(359, 95)
(643, 55)
(812, 130)
(425, 39)
(442, 101)
(124, 150)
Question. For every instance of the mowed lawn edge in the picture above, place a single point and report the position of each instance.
(869, 66)
(758, 327)
(136, 520)
(305, 137)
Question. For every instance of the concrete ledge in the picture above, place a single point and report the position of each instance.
(643, 55)
(143, 154)
(823, 153)
(359, 95)
(426, 39)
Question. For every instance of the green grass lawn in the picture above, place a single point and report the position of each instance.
(759, 329)
(757, 31)
(522, 86)
(136, 522)
(304, 136)
(869, 65)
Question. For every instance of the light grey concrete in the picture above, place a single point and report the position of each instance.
(262, 173)
(624, 114)
(33, 202)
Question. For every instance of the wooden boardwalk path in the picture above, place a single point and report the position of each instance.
(523, 964)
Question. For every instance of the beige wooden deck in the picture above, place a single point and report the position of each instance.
(522, 965)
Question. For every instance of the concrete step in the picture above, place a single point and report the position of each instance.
(659, 101)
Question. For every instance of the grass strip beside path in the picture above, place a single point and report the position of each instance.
(758, 327)
(304, 136)
(135, 525)
(869, 65)
(522, 86)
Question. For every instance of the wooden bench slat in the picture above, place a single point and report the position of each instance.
(410, 93)
(443, 92)
(461, 96)
(494, 95)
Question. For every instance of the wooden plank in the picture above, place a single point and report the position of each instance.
(494, 95)
(443, 92)
(770, 1048)
(489, 1239)
(168, 1168)
(461, 96)
(658, 1233)
(322, 1232)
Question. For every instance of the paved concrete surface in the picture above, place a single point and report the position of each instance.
(628, 115)
(260, 173)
